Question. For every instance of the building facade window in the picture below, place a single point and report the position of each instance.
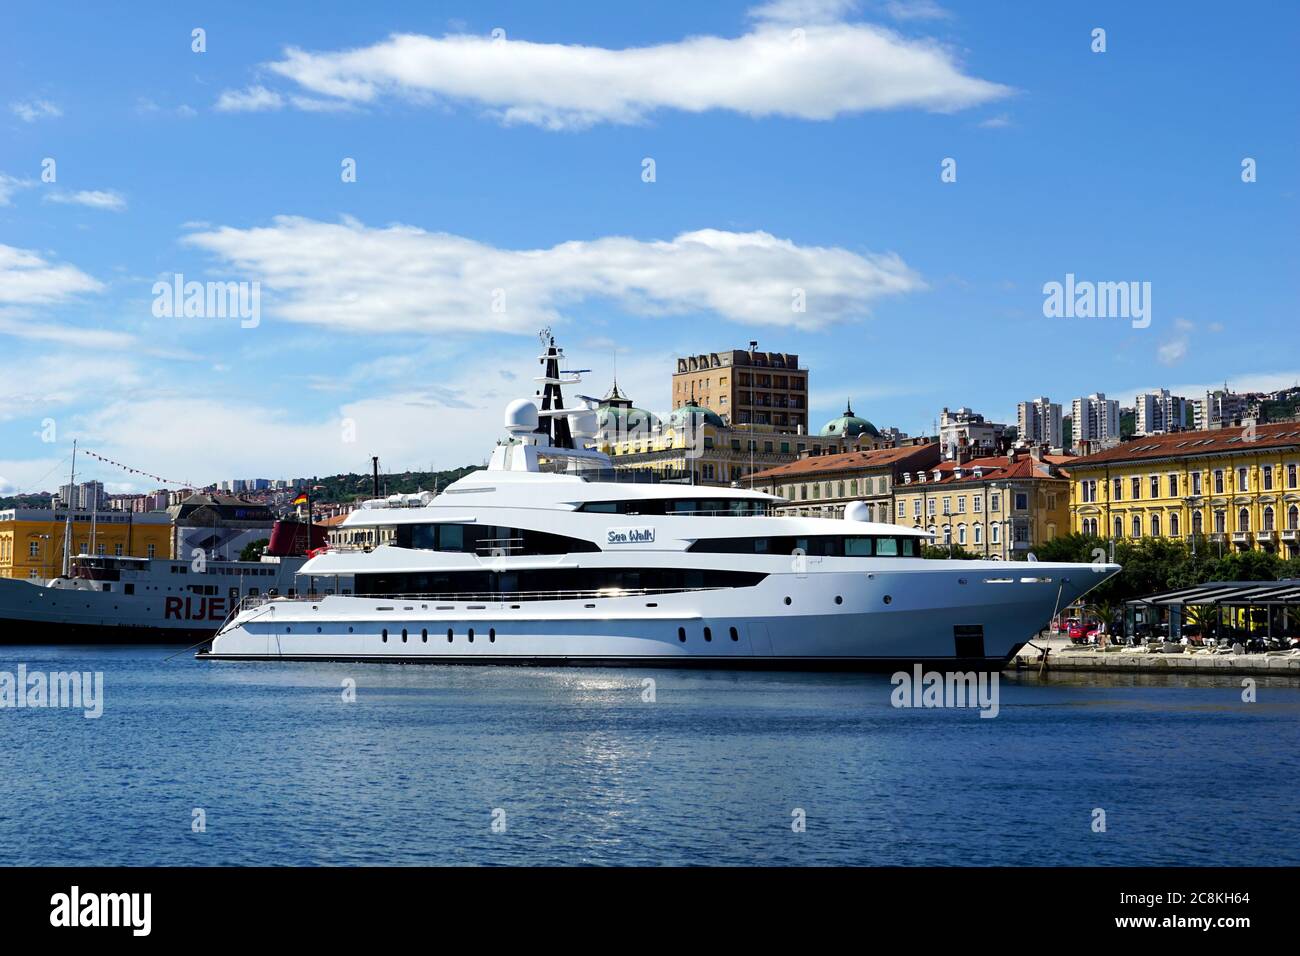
(1173, 525)
(1196, 523)
(1218, 481)
(1220, 522)
(1155, 526)
(1155, 486)
(1267, 524)
(1243, 519)
(1137, 526)
(1243, 479)
(1136, 485)
(1266, 477)
(1119, 527)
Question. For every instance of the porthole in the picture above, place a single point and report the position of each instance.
(403, 635)
(734, 636)
(708, 634)
(492, 635)
(839, 599)
(787, 600)
(448, 635)
(318, 630)
(888, 599)
(681, 634)
(424, 635)
(286, 630)
(471, 635)
(349, 630)
(385, 635)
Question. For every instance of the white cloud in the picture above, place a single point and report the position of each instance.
(105, 199)
(1001, 121)
(803, 12)
(916, 10)
(27, 279)
(40, 330)
(401, 278)
(827, 69)
(1173, 351)
(32, 110)
(10, 185)
(252, 99)
(55, 380)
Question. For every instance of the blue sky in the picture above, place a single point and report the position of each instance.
(515, 166)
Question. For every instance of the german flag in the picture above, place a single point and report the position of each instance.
(300, 500)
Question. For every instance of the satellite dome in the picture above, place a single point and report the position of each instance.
(521, 417)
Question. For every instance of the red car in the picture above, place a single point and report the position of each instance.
(1082, 632)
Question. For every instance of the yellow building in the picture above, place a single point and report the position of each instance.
(1238, 487)
(31, 539)
(999, 507)
(823, 485)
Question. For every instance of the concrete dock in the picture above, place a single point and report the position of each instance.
(1158, 659)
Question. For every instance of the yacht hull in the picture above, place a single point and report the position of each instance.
(968, 616)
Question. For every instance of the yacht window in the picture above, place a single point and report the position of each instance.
(858, 547)
(887, 547)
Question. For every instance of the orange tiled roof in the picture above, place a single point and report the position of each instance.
(845, 461)
(994, 468)
(1185, 444)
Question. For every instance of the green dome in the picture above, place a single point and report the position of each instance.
(849, 425)
(629, 418)
(692, 413)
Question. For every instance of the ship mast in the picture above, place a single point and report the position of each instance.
(553, 423)
(67, 525)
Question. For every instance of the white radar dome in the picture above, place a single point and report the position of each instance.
(855, 511)
(583, 423)
(521, 417)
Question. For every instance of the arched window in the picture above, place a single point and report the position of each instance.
(1293, 518)
(1243, 519)
(1268, 519)
(979, 534)
(1119, 527)
(1220, 522)
(1173, 525)
(1155, 526)
(961, 534)
(1137, 526)
(1196, 523)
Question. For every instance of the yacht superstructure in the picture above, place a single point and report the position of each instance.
(548, 556)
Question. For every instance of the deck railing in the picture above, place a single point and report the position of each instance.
(474, 597)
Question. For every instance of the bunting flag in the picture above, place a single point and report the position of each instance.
(137, 471)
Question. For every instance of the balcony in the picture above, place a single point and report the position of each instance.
(1291, 535)
(1241, 538)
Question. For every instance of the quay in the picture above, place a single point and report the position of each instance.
(1156, 658)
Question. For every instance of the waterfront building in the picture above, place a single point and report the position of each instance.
(31, 539)
(745, 387)
(1157, 413)
(1039, 422)
(821, 486)
(999, 507)
(1094, 421)
(1238, 488)
(219, 526)
(964, 432)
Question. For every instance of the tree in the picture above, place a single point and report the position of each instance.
(254, 550)
(943, 552)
